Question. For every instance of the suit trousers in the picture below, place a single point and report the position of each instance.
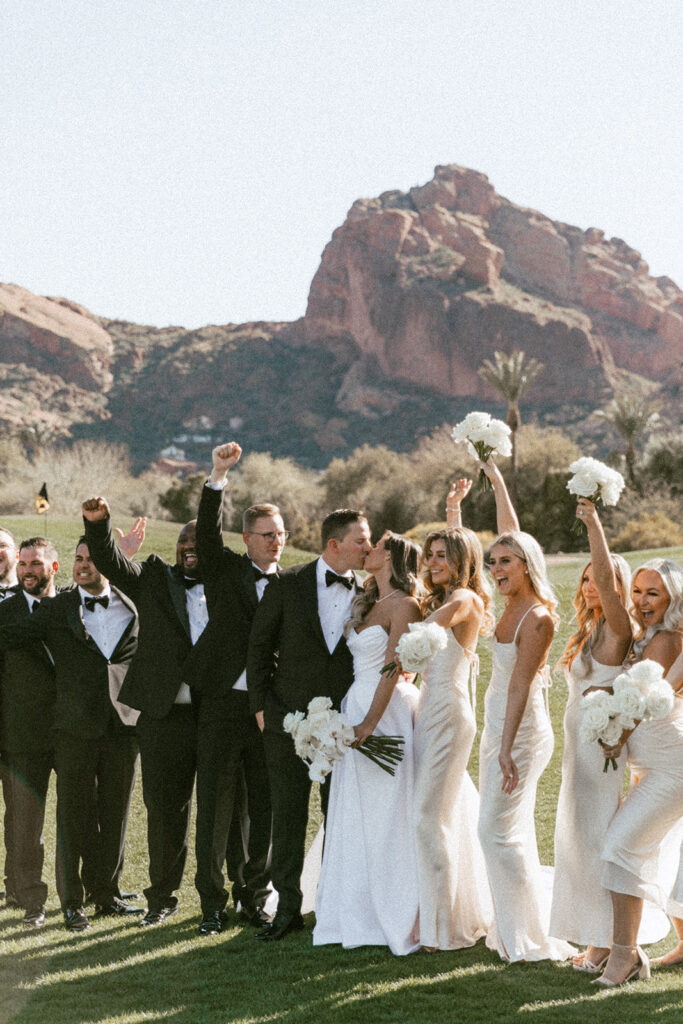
(230, 748)
(26, 777)
(290, 789)
(95, 779)
(168, 761)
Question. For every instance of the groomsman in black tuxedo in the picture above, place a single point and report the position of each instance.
(91, 632)
(27, 705)
(297, 651)
(230, 753)
(8, 587)
(173, 614)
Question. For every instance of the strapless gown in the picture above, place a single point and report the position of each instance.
(455, 900)
(643, 841)
(507, 830)
(589, 798)
(367, 894)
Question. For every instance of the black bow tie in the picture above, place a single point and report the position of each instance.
(258, 575)
(90, 602)
(189, 583)
(332, 578)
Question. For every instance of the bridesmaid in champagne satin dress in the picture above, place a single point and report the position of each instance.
(454, 895)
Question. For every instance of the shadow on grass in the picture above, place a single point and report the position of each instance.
(122, 974)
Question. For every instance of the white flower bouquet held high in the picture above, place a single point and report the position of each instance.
(594, 480)
(416, 648)
(484, 437)
(640, 694)
(323, 736)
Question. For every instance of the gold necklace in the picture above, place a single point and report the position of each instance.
(390, 594)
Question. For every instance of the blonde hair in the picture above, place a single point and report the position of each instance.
(671, 575)
(405, 559)
(465, 561)
(589, 629)
(529, 550)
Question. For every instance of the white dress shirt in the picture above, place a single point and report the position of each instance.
(334, 604)
(198, 616)
(106, 625)
(261, 585)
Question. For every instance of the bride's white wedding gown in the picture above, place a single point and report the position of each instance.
(367, 894)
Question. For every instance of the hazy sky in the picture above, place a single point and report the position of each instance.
(186, 161)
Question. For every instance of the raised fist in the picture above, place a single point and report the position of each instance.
(225, 456)
(95, 510)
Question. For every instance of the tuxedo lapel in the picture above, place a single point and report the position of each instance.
(248, 581)
(74, 618)
(176, 589)
(308, 585)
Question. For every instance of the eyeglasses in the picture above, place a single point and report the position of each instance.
(280, 535)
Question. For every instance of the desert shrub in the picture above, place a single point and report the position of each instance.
(259, 478)
(380, 482)
(651, 530)
(73, 472)
(181, 500)
(662, 462)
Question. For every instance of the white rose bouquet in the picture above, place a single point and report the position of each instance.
(594, 480)
(417, 647)
(641, 694)
(484, 437)
(323, 736)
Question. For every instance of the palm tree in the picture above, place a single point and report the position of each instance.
(511, 376)
(632, 416)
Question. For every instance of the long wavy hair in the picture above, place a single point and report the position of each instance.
(530, 551)
(405, 561)
(671, 575)
(589, 628)
(465, 561)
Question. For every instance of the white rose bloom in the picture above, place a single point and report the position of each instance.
(644, 673)
(629, 697)
(416, 648)
(319, 770)
(291, 722)
(319, 704)
(660, 700)
(611, 734)
(596, 707)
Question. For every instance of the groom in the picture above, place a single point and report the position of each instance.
(297, 651)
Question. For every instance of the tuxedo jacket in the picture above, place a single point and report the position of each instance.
(158, 592)
(86, 681)
(27, 689)
(288, 662)
(220, 655)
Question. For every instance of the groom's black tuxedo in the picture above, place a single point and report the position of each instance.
(287, 666)
(95, 752)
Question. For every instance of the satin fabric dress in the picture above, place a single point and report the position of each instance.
(455, 900)
(589, 798)
(367, 894)
(507, 830)
(643, 841)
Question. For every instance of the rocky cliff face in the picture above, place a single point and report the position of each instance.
(432, 280)
(413, 291)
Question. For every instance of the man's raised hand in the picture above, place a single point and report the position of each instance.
(95, 510)
(224, 457)
(131, 542)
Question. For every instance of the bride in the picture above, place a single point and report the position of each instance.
(367, 893)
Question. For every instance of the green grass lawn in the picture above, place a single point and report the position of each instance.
(118, 973)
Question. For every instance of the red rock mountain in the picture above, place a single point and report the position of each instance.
(412, 292)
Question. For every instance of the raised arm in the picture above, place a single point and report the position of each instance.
(109, 559)
(131, 542)
(506, 515)
(535, 638)
(457, 493)
(210, 514)
(407, 611)
(604, 576)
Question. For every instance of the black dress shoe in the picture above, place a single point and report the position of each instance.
(156, 916)
(117, 908)
(213, 922)
(75, 919)
(255, 916)
(281, 926)
(129, 895)
(34, 917)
